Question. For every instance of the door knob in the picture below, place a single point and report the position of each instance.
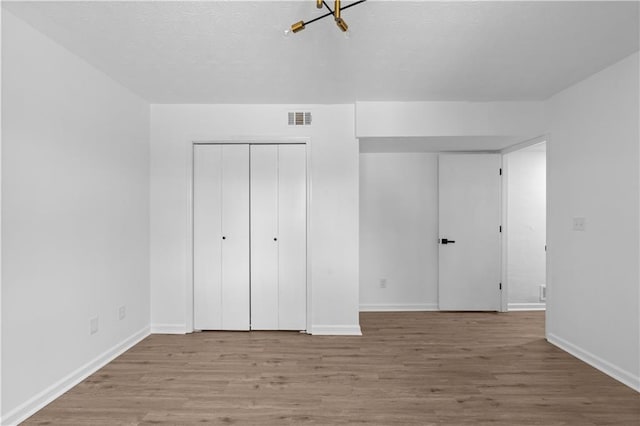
(275, 239)
(446, 241)
(224, 238)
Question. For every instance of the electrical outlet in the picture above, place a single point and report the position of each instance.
(579, 224)
(383, 283)
(543, 292)
(93, 324)
(122, 312)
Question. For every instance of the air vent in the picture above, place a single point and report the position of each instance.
(299, 118)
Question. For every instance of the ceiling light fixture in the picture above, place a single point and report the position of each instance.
(336, 13)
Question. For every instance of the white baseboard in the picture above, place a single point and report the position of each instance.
(595, 361)
(540, 306)
(168, 329)
(40, 400)
(397, 307)
(336, 330)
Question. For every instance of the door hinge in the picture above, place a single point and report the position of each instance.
(500, 171)
(500, 286)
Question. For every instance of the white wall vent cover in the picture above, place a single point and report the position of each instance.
(299, 118)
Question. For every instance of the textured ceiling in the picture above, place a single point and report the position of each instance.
(236, 52)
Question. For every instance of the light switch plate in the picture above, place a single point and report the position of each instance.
(93, 324)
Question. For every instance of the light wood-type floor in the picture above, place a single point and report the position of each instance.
(422, 368)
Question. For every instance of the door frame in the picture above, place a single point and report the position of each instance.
(504, 304)
(259, 140)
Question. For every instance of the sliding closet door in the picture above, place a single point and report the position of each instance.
(221, 237)
(278, 237)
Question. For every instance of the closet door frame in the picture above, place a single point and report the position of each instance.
(189, 225)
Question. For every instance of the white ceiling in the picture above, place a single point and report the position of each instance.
(235, 51)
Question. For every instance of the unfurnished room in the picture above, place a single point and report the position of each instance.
(320, 212)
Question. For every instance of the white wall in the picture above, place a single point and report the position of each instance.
(399, 231)
(334, 203)
(416, 119)
(525, 225)
(592, 299)
(75, 191)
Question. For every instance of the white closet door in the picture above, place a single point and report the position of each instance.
(207, 231)
(235, 237)
(292, 225)
(264, 237)
(221, 237)
(278, 237)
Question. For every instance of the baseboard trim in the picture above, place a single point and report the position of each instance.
(336, 330)
(595, 361)
(42, 399)
(168, 329)
(540, 306)
(398, 307)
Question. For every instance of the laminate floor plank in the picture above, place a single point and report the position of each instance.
(408, 368)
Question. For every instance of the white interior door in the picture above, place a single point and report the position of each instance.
(221, 237)
(264, 237)
(469, 221)
(249, 226)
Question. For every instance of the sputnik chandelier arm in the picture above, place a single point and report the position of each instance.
(336, 13)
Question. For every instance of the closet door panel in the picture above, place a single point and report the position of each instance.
(207, 249)
(264, 237)
(235, 237)
(292, 219)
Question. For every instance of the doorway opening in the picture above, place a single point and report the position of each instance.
(524, 221)
(400, 241)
